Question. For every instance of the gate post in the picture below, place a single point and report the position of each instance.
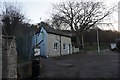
(36, 64)
(9, 57)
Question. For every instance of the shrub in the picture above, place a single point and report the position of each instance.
(24, 70)
(118, 45)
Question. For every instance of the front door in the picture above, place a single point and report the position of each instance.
(68, 48)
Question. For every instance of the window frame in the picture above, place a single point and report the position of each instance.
(64, 46)
(55, 46)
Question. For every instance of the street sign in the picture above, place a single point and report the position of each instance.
(37, 51)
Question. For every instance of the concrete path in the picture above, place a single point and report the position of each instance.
(102, 65)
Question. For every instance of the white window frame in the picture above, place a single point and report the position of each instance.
(55, 46)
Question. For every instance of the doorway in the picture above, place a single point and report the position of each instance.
(69, 49)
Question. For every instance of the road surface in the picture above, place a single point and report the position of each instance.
(82, 65)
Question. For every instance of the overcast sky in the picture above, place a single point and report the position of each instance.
(40, 10)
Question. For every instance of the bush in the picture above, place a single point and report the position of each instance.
(118, 45)
(24, 70)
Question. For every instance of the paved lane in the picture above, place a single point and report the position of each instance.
(92, 65)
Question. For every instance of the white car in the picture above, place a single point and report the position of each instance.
(113, 46)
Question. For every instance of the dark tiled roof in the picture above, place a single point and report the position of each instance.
(58, 32)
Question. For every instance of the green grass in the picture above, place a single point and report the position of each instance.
(90, 48)
(95, 47)
(104, 46)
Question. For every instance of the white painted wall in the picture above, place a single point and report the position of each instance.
(41, 37)
(52, 38)
(50, 45)
(67, 41)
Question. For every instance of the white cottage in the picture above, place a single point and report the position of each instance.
(52, 42)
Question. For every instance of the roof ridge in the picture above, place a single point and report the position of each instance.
(56, 31)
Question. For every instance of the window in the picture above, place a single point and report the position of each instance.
(55, 46)
(64, 46)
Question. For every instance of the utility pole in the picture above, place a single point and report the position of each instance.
(98, 41)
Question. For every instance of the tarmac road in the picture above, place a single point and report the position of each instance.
(90, 65)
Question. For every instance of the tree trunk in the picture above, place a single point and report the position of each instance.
(80, 41)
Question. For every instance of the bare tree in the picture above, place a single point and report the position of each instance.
(56, 23)
(80, 16)
(11, 16)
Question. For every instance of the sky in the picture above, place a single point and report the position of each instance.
(40, 10)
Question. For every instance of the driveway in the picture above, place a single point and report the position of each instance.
(82, 65)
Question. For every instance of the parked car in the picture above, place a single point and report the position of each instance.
(115, 46)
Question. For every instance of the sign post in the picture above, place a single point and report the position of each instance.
(36, 64)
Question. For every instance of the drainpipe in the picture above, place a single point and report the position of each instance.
(60, 45)
(60, 42)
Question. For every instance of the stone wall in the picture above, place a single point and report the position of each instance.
(9, 57)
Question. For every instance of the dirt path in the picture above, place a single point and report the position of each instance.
(102, 65)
